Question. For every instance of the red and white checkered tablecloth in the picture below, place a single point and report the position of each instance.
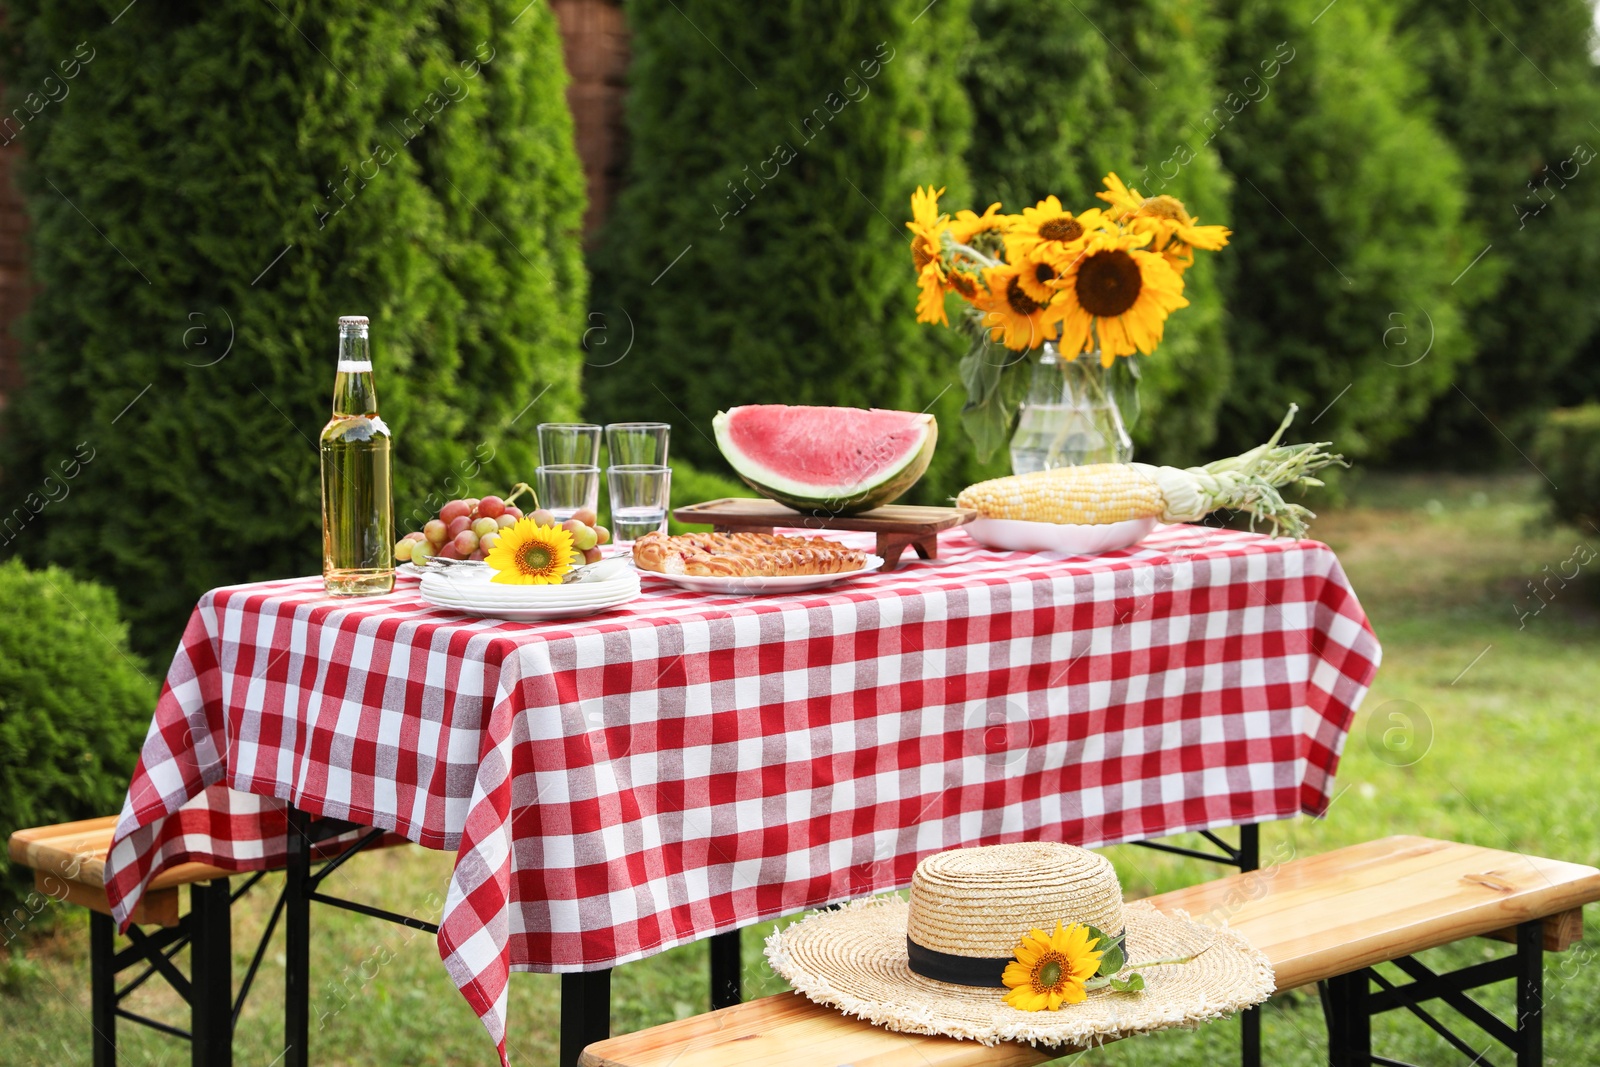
(688, 764)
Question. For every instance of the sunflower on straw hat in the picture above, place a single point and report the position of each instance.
(969, 955)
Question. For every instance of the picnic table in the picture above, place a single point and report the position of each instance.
(689, 764)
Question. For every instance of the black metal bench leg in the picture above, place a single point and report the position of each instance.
(726, 968)
(297, 942)
(103, 988)
(210, 975)
(1530, 994)
(1349, 1020)
(585, 1012)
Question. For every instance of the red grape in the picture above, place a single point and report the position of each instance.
(543, 517)
(466, 543)
(586, 516)
(436, 531)
(592, 556)
(491, 507)
(488, 541)
(456, 509)
(457, 524)
(449, 552)
(602, 535)
(513, 511)
(415, 535)
(478, 555)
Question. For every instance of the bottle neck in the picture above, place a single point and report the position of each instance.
(353, 391)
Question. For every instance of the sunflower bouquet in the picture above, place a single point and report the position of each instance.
(1101, 282)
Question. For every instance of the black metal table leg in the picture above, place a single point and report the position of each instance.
(585, 1012)
(297, 942)
(726, 968)
(1530, 994)
(210, 975)
(1349, 1020)
(1250, 1018)
(103, 988)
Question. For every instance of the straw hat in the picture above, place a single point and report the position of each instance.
(933, 965)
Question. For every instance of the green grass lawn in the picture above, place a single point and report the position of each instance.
(1500, 706)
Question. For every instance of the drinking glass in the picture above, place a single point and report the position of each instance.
(638, 443)
(639, 495)
(567, 488)
(566, 443)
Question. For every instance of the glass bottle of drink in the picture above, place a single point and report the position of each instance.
(357, 506)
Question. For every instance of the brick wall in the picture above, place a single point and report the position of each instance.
(595, 38)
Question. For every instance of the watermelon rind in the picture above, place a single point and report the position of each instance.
(883, 487)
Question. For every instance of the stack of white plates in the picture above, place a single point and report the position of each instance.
(469, 590)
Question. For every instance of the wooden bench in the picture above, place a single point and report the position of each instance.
(68, 863)
(1320, 919)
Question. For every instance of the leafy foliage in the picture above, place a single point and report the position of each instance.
(228, 173)
(1065, 91)
(758, 250)
(1568, 450)
(74, 705)
(1514, 89)
(1349, 229)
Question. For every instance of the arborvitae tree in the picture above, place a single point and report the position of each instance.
(215, 185)
(1516, 91)
(1065, 92)
(757, 254)
(1348, 230)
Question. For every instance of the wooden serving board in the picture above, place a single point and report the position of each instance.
(897, 525)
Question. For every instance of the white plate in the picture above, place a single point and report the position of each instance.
(757, 585)
(1075, 539)
(488, 594)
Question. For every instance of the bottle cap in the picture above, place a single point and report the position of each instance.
(352, 320)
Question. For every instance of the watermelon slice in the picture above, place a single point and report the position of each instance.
(835, 460)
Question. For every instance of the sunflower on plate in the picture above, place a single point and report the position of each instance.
(1052, 969)
(530, 554)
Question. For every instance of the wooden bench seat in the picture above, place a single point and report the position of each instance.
(69, 863)
(1317, 918)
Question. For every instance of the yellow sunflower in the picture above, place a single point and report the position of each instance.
(1035, 275)
(967, 224)
(1119, 294)
(1173, 231)
(1049, 232)
(1051, 969)
(530, 554)
(1010, 314)
(927, 228)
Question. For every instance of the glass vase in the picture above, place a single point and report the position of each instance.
(1070, 416)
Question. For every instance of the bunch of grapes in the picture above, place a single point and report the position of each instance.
(469, 528)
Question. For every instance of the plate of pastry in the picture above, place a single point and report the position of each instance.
(749, 564)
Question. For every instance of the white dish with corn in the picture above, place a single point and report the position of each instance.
(1101, 507)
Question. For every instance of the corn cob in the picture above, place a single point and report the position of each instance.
(1114, 492)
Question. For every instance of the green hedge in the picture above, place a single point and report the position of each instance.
(1568, 452)
(74, 708)
(758, 250)
(221, 175)
(1065, 91)
(1349, 230)
(1516, 91)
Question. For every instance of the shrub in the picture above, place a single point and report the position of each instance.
(758, 248)
(1348, 231)
(219, 173)
(74, 705)
(1568, 451)
(1520, 116)
(1065, 91)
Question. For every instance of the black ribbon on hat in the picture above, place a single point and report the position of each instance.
(972, 970)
